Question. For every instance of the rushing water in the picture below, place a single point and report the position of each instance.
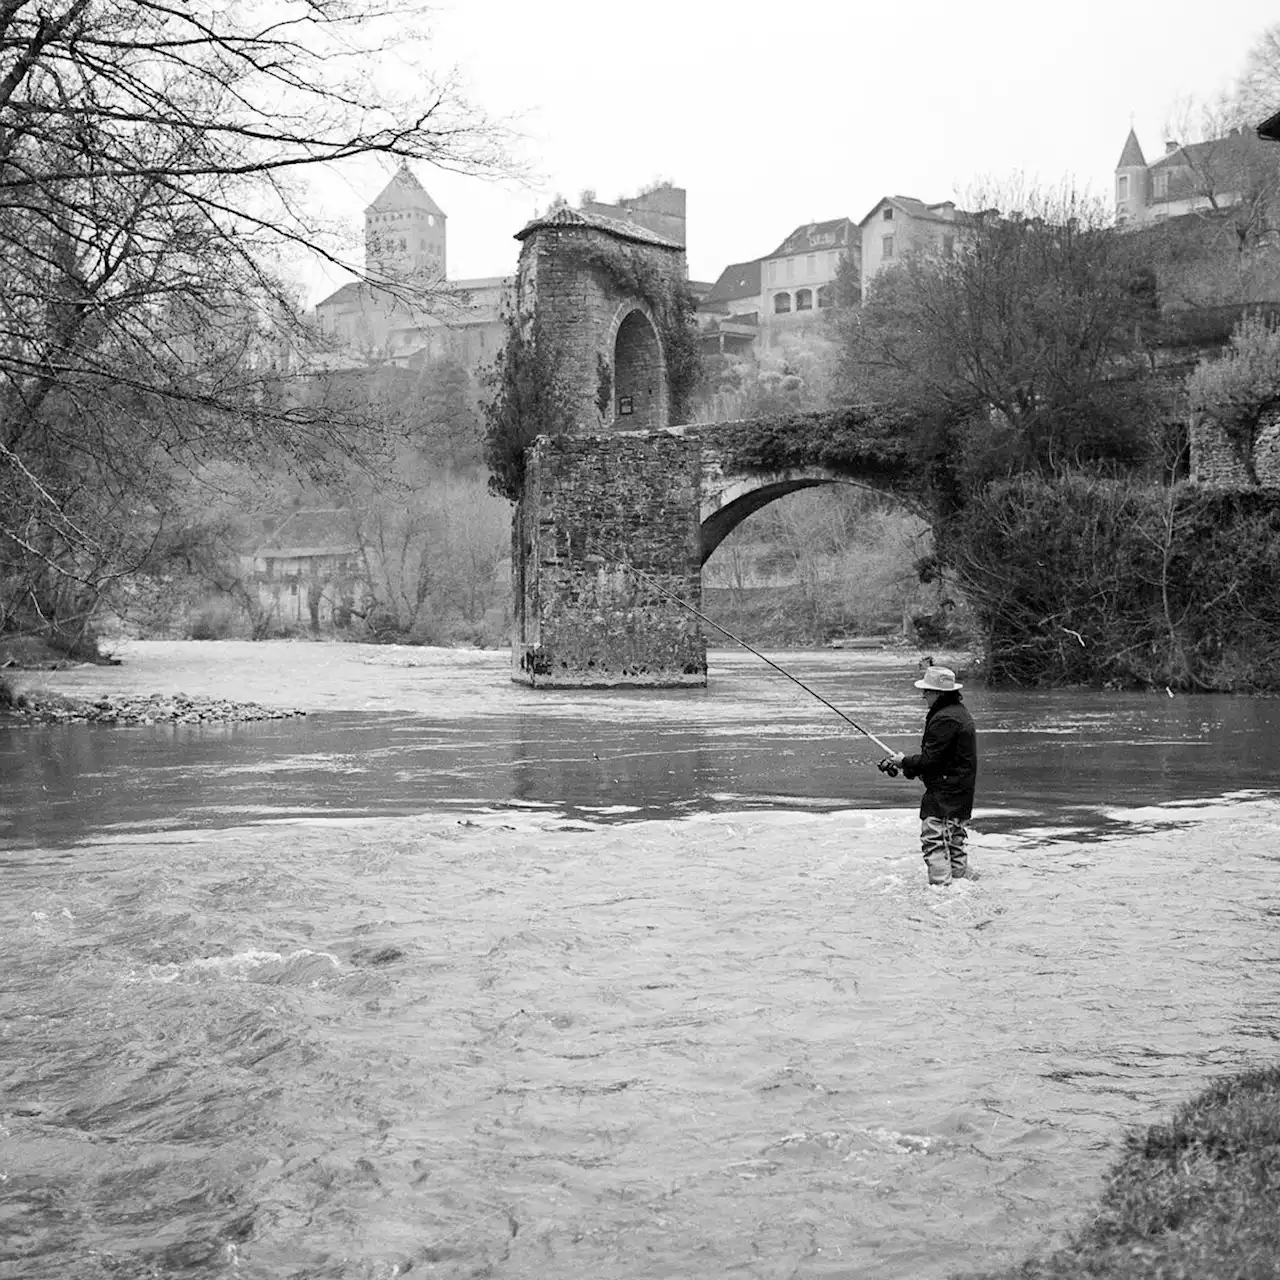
(453, 979)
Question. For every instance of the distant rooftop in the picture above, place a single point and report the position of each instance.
(404, 191)
(942, 211)
(1131, 157)
(738, 280)
(835, 233)
(312, 532)
(566, 217)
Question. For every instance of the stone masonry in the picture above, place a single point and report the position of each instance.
(607, 533)
(605, 338)
(1215, 460)
(620, 507)
(607, 511)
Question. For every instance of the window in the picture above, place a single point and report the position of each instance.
(1162, 186)
(781, 303)
(431, 220)
(886, 245)
(804, 299)
(773, 273)
(791, 268)
(948, 246)
(1122, 187)
(826, 296)
(811, 265)
(833, 260)
(888, 215)
(403, 243)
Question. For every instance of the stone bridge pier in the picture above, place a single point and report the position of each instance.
(619, 509)
(610, 539)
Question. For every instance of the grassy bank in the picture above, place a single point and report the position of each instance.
(1194, 1199)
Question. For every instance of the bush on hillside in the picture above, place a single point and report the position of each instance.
(1089, 581)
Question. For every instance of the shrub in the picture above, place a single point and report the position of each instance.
(216, 619)
(1082, 580)
(1237, 390)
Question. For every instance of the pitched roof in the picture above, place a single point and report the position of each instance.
(1131, 156)
(1270, 128)
(349, 292)
(942, 211)
(404, 191)
(566, 217)
(737, 280)
(316, 531)
(1195, 154)
(836, 233)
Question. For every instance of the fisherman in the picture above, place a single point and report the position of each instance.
(947, 764)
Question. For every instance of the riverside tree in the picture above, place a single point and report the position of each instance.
(1020, 348)
(152, 167)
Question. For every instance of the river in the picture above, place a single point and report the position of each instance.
(451, 977)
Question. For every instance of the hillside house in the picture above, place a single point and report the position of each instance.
(798, 279)
(898, 226)
(308, 572)
(1191, 178)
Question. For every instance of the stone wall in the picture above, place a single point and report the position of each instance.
(606, 533)
(1216, 460)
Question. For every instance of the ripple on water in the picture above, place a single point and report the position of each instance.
(659, 1048)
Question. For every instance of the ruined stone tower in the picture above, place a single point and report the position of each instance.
(583, 278)
(606, 539)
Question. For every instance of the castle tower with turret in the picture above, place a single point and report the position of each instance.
(404, 232)
(1131, 183)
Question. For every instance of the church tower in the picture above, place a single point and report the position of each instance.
(1131, 184)
(404, 232)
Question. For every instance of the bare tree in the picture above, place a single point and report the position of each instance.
(1258, 89)
(152, 157)
(1226, 170)
(1228, 179)
(1012, 351)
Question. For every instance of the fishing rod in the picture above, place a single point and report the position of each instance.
(697, 613)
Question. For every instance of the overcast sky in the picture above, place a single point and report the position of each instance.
(772, 115)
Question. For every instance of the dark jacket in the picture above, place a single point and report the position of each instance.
(947, 762)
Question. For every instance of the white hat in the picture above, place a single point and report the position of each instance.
(940, 679)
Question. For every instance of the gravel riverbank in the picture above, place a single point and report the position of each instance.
(122, 711)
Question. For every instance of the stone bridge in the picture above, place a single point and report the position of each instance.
(619, 509)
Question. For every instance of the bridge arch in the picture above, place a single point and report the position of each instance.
(726, 504)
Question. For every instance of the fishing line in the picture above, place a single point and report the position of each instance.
(684, 604)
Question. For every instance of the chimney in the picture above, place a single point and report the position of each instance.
(1170, 146)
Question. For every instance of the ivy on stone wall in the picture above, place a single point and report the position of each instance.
(632, 269)
(858, 442)
(604, 385)
(529, 392)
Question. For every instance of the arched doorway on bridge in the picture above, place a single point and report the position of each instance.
(639, 376)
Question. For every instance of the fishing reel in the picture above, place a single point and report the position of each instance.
(888, 766)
